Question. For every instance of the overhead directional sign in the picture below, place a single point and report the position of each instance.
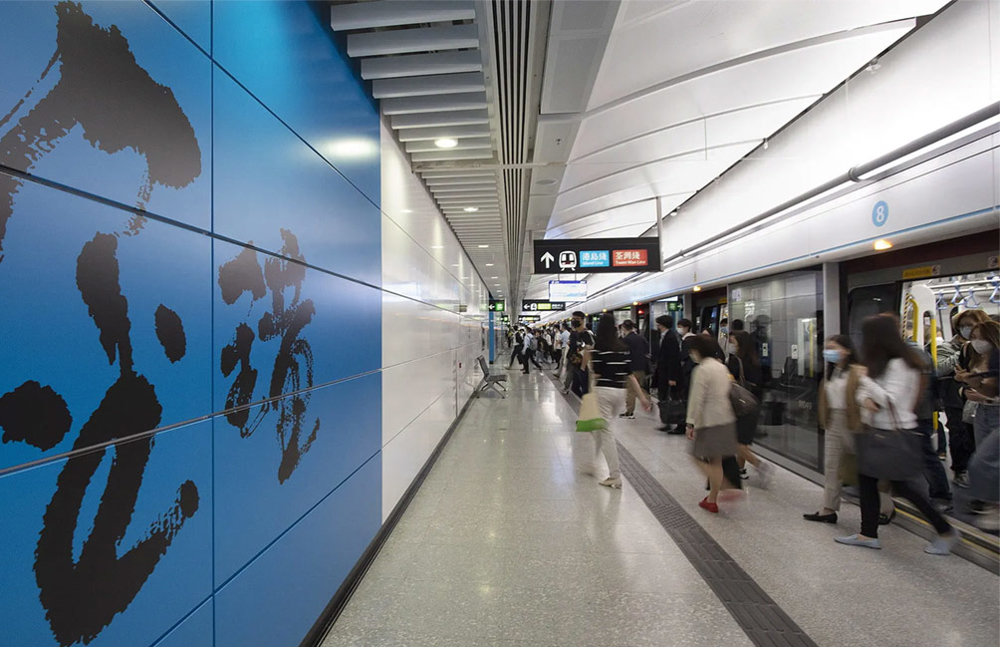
(538, 305)
(597, 255)
(529, 318)
(497, 305)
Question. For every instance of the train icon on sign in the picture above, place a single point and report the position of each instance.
(567, 260)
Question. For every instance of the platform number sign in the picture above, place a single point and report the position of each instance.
(880, 213)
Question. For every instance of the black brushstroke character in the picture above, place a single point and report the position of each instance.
(82, 596)
(117, 104)
(283, 278)
(104, 90)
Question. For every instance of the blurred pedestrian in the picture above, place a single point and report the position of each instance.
(711, 423)
(608, 360)
(889, 447)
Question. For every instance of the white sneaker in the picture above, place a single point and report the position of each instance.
(613, 483)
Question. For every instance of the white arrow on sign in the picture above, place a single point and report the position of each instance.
(548, 258)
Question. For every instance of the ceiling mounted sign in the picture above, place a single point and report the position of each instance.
(597, 255)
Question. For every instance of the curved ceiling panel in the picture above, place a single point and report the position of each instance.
(698, 35)
(808, 72)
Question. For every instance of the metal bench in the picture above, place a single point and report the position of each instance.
(491, 380)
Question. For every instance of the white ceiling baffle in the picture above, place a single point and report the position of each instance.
(458, 82)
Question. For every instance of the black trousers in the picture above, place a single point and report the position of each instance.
(961, 440)
(870, 505)
(529, 355)
(515, 354)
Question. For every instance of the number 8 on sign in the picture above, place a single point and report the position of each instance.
(880, 213)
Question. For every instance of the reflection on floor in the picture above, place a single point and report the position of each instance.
(507, 543)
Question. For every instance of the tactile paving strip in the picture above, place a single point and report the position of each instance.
(766, 624)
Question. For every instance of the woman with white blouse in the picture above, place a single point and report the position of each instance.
(711, 422)
(888, 392)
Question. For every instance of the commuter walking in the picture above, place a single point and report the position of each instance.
(888, 447)
(581, 340)
(745, 368)
(982, 389)
(638, 365)
(953, 356)
(530, 348)
(711, 422)
(608, 361)
(563, 346)
(670, 377)
(517, 352)
(840, 418)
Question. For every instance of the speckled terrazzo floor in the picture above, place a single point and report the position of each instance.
(506, 544)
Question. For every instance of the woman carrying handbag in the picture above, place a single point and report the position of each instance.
(889, 447)
(608, 366)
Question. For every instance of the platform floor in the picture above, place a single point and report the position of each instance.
(508, 544)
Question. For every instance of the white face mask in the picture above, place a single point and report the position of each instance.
(965, 331)
(981, 346)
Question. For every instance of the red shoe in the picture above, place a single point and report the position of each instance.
(711, 507)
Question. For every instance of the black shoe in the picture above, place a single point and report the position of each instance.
(885, 520)
(677, 431)
(744, 475)
(666, 428)
(822, 518)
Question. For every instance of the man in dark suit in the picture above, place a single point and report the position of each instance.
(670, 374)
(638, 365)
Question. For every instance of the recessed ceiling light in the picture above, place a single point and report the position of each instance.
(446, 142)
(437, 246)
(697, 288)
(494, 277)
(470, 209)
(484, 247)
(882, 244)
(454, 264)
(489, 264)
(406, 211)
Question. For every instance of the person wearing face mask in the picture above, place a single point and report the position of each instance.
(711, 422)
(954, 356)
(744, 366)
(839, 417)
(984, 466)
(724, 339)
(978, 385)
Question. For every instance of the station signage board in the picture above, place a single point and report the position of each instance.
(597, 255)
(572, 291)
(537, 305)
(529, 318)
(497, 305)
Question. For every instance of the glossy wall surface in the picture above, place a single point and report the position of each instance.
(190, 296)
(429, 347)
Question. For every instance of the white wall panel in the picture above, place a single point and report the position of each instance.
(429, 348)
(407, 452)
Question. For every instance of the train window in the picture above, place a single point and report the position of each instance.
(868, 301)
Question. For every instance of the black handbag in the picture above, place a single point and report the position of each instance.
(673, 411)
(889, 454)
(744, 403)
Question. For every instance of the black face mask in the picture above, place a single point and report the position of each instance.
(577, 323)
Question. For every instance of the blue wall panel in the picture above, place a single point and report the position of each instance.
(282, 52)
(193, 17)
(272, 315)
(281, 593)
(123, 539)
(272, 180)
(267, 480)
(56, 351)
(145, 141)
(197, 630)
(119, 321)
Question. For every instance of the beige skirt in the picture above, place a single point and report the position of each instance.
(715, 442)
